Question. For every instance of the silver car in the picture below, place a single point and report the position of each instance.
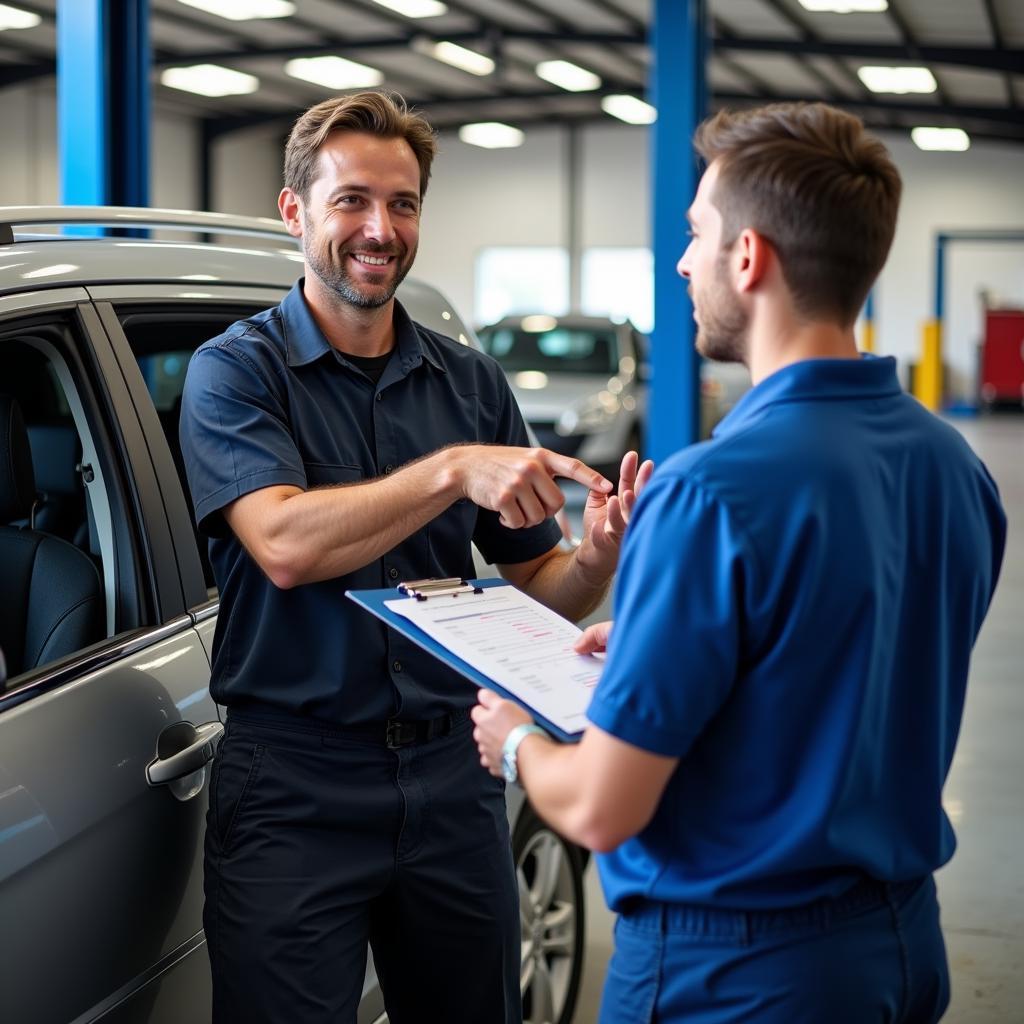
(577, 380)
(107, 619)
(581, 382)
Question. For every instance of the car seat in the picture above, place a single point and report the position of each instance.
(51, 597)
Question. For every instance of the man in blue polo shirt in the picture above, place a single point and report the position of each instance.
(331, 443)
(795, 612)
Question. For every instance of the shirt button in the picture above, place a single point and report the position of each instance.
(379, 396)
(388, 469)
(396, 665)
(393, 573)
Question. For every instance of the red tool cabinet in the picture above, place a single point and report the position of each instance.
(1002, 357)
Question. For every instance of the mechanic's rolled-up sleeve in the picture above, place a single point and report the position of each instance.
(235, 435)
(673, 653)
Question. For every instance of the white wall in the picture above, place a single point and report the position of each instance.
(29, 168)
(483, 197)
(982, 188)
(247, 172)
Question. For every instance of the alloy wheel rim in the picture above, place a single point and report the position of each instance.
(547, 915)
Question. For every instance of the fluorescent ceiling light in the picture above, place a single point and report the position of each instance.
(897, 80)
(568, 76)
(14, 17)
(415, 8)
(629, 109)
(458, 56)
(210, 80)
(844, 6)
(334, 72)
(491, 135)
(243, 10)
(952, 139)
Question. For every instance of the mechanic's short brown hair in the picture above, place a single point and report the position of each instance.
(818, 187)
(374, 113)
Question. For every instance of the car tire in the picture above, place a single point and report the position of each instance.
(551, 913)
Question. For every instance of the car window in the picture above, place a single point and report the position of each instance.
(559, 350)
(162, 339)
(68, 540)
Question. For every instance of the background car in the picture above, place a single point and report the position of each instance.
(581, 382)
(107, 614)
(577, 382)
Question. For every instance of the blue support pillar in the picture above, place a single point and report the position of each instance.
(678, 91)
(103, 62)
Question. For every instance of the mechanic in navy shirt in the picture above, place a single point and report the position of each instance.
(331, 443)
(795, 612)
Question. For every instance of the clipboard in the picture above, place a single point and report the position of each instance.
(373, 601)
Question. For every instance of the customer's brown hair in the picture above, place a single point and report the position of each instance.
(820, 189)
(375, 113)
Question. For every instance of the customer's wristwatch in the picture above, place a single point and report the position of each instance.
(509, 749)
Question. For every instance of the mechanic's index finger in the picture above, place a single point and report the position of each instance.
(573, 469)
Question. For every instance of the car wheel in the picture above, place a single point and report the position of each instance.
(550, 874)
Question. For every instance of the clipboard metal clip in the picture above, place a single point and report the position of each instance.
(424, 589)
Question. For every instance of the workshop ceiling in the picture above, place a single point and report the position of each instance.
(760, 50)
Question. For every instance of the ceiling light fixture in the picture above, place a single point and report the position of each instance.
(14, 17)
(897, 80)
(629, 109)
(953, 140)
(844, 6)
(243, 10)
(334, 72)
(491, 135)
(457, 56)
(568, 76)
(210, 80)
(415, 8)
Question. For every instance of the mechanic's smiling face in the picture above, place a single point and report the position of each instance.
(361, 220)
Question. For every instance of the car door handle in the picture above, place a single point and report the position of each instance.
(196, 754)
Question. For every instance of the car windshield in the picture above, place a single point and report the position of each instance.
(559, 350)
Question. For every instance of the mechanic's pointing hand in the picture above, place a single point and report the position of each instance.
(519, 483)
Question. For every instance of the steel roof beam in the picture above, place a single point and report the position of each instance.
(987, 58)
(997, 38)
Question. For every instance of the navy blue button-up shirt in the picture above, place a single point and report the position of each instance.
(270, 402)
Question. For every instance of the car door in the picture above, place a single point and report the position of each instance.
(154, 329)
(102, 784)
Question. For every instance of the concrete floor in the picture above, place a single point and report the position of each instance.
(982, 889)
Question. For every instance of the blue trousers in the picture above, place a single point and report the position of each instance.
(874, 955)
(319, 843)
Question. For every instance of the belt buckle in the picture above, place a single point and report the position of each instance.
(399, 734)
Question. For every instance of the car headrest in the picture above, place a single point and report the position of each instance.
(17, 479)
(56, 454)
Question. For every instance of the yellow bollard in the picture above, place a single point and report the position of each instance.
(867, 337)
(928, 378)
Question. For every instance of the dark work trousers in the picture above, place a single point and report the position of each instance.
(872, 956)
(318, 843)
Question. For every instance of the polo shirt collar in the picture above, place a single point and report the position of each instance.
(305, 342)
(812, 380)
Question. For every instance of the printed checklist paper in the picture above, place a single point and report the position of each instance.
(525, 648)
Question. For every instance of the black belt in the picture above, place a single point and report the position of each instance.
(393, 733)
(403, 734)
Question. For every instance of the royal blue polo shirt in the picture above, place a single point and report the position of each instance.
(270, 402)
(794, 615)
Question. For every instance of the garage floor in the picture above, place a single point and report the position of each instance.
(982, 889)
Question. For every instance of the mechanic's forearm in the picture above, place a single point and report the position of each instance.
(566, 585)
(555, 781)
(328, 532)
